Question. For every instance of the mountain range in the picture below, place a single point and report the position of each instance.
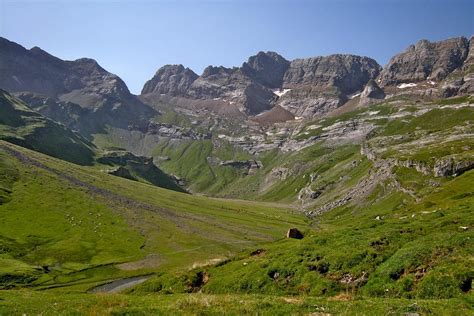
(266, 82)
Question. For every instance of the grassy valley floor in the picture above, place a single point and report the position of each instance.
(46, 303)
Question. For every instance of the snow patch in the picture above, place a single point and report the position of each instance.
(431, 82)
(354, 96)
(406, 85)
(373, 112)
(280, 92)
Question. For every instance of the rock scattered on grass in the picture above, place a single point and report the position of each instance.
(294, 233)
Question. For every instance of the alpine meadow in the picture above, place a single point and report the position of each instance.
(325, 185)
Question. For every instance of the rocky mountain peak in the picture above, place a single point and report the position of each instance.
(218, 70)
(170, 79)
(103, 97)
(266, 68)
(422, 44)
(425, 60)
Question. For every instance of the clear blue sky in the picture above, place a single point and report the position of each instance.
(134, 38)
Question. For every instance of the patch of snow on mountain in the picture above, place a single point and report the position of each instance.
(406, 85)
(280, 92)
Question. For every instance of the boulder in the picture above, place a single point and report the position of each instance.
(294, 233)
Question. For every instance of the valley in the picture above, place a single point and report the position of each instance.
(179, 200)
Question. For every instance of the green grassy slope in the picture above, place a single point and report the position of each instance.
(21, 125)
(395, 245)
(62, 224)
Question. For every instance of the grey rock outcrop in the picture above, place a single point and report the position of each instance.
(371, 93)
(309, 102)
(453, 87)
(425, 60)
(308, 193)
(469, 62)
(448, 166)
(463, 82)
(249, 166)
(170, 79)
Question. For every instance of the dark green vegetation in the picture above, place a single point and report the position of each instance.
(21, 125)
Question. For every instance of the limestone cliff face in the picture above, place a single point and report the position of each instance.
(348, 73)
(321, 84)
(233, 86)
(425, 60)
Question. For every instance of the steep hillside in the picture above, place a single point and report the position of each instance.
(23, 126)
(64, 89)
(64, 225)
